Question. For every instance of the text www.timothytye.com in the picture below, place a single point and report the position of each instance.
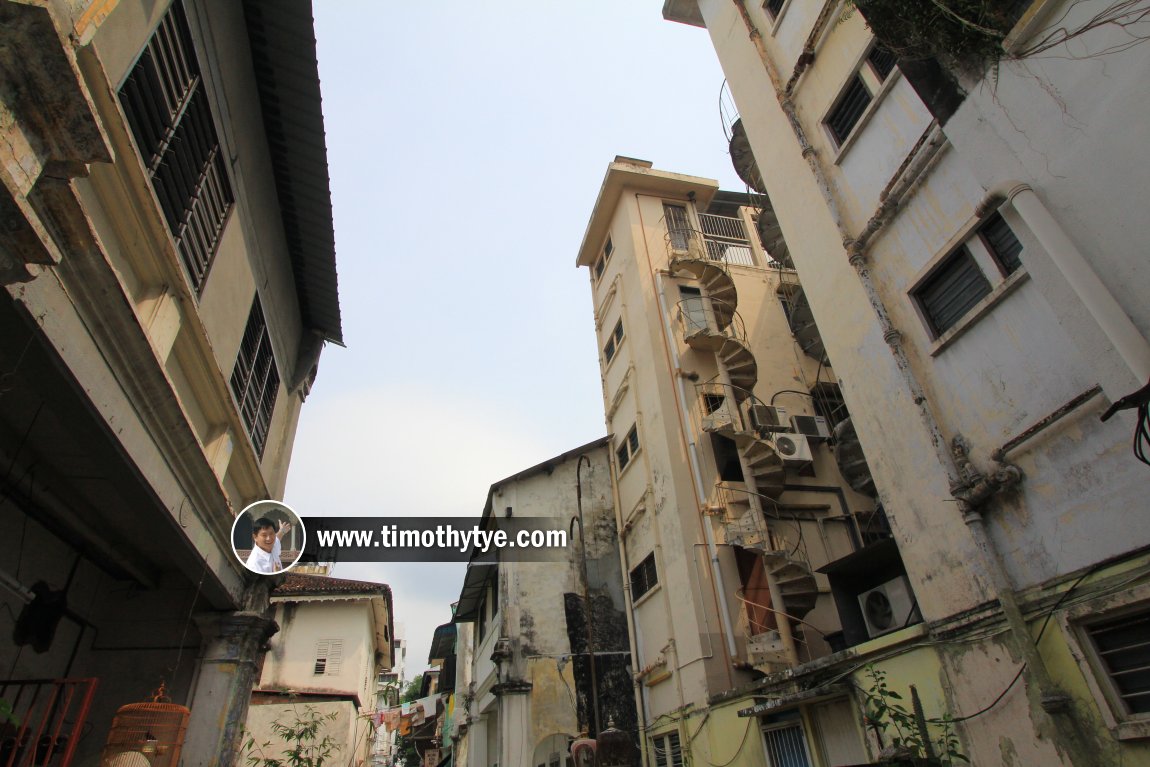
(442, 537)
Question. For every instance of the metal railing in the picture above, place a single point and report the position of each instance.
(710, 316)
(697, 244)
(41, 720)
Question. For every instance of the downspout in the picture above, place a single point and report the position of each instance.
(970, 488)
(808, 55)
(632, 641)
(696, 474)
(1095, 296)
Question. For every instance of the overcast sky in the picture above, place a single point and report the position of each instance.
(467, 143)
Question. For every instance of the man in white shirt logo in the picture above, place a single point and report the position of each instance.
(265, 556)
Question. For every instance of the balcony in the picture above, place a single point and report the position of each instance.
(708, 323)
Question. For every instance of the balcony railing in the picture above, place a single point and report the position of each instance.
(703, 317)
(699, 244)
(42, 719)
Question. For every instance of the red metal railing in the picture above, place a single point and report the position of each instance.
(41, 720)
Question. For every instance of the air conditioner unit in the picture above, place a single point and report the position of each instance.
(813, 426)
(763, 419)
(889, 607)
(793, 449)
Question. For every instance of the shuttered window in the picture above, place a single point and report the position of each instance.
(613, 342)
(644, 577)
(255, 378)
(626, 451)
(328, 657)
(952, 290)
(171, 121)
(849, 109)
(1001, 242)
(882, 61)
(1123, 647)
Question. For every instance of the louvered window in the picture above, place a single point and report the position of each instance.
(849, 109)
(626, 451)
(613, 342)
(1001, 242)
(644, 577)
(255, 378)
(604, 257)
(1123, 647)
(968, 274)
(952, 290)
(882, 60)
(168, 112)
(328, 656)
(668, 750)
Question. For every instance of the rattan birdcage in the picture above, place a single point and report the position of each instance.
(146, 734)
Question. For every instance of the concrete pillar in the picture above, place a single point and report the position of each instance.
(515, 750)
(233, 645)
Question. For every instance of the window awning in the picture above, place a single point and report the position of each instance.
(479, 575)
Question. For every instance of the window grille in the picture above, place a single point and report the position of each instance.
(644, 577)
(678, 226)
(171, 121)
(786, 747)
(1123, 646)
(255, 378)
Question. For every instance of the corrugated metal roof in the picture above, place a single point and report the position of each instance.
(282, 38)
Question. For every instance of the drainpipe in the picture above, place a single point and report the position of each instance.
(1095, 296)
(808, 55)
(632, 641)
(696, 474)
(970, 488)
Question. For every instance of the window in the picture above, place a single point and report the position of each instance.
(171, 120)
(860, 90)
(958, 283)
(626, 451)
(773, 8)
(1122, 647)
(785, 743)
(255, 378)
(1000, 241)
(644, 577)
(692, 309)
(613, 342)
(328, 654)
(668, 751)
(604, 257)
(678, 226)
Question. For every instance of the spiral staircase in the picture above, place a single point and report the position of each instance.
(712, 323)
